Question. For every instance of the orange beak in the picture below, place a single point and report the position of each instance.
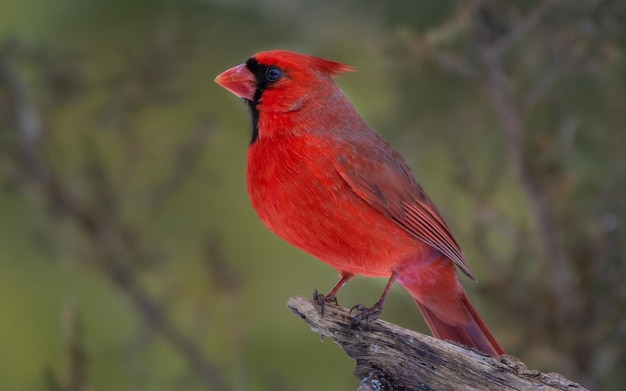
(238, 80)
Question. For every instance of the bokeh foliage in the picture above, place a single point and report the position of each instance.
(131, 259)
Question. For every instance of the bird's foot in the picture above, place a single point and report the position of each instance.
(366, 314)
(322, 300)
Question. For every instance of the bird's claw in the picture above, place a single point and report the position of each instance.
(366, 314)
(322, 300)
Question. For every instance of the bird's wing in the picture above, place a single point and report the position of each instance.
(378, 174)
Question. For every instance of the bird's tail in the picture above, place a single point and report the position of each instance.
(472, 333)
(446, 308)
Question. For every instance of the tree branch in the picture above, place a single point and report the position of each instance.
(392, 358)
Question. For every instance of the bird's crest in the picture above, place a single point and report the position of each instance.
(290, 60)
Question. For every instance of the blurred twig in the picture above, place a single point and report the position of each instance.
(185, 159)
(521, 29)
(74, 371)
(115, 251)
(561, 298)
(561, 279)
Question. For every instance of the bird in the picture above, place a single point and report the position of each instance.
(322, 179)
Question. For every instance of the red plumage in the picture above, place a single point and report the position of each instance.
(323, 180)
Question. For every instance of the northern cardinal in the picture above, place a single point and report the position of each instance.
(323, 180)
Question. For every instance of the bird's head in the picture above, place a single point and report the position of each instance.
(281, 81)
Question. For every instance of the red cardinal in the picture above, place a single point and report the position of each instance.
(323, 180)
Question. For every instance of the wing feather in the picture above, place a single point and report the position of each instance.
(379, 175)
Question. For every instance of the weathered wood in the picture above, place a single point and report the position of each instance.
(389, 357)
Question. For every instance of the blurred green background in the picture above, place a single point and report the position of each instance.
(131, 259)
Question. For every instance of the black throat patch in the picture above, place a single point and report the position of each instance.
(261, 84)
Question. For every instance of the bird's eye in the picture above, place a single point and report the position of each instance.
(273, 74)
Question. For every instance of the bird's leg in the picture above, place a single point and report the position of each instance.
(374, 312)
(331, 297)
